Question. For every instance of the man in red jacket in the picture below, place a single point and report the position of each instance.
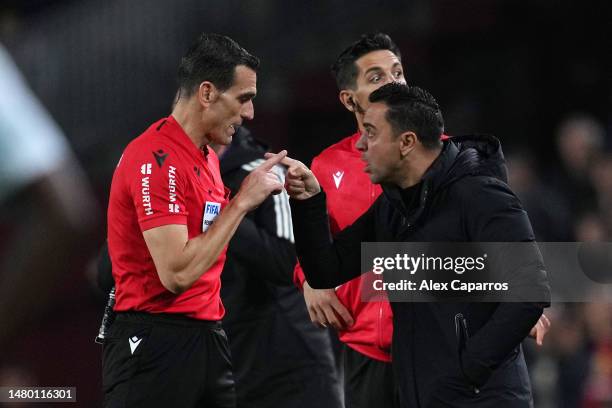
(366, 328)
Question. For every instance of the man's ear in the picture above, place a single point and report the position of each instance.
(346, 98)
(407, 143)
(207, 93)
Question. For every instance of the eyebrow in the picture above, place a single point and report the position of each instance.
(377, 68)
(372, 70)
(247, 95)
(369, 125)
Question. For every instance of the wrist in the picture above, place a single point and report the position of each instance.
(314, 190)
(239, 205)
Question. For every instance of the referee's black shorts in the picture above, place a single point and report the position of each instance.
(161, 360)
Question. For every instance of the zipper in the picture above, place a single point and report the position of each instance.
(462, 333)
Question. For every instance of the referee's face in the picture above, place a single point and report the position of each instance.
(233, 105)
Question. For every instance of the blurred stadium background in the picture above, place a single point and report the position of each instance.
(537, 74)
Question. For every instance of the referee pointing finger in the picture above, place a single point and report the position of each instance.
(169, 223)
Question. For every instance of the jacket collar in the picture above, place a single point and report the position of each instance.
(461, 156)
(432, 179)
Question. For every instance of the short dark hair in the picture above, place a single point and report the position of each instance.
(213, 57)
(412, 109)
(344, 69)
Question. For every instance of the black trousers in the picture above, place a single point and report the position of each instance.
(368, 383)
(160, 360)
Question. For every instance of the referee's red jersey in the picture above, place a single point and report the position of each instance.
(162, 178)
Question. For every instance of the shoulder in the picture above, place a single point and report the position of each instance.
(151, 146)
(475, 189)
(342, 152)
(344, 146)
(492, 212)
(484, 197)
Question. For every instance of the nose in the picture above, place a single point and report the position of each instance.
(361, 144)
(248, 110)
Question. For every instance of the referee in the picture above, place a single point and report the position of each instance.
(169, 223)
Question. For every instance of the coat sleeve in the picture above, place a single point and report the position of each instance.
(317, 169)
(264, 240)
(328, 262)
(496, 215)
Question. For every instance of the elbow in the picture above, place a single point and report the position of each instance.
(175, 282)
(175, 288)
(179, 278)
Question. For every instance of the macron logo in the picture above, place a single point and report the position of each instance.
(338, 178)
(134, 343)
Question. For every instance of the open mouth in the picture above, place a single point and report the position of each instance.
(365, 164)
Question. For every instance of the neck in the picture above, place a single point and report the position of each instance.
(187, 113)
(415, 168)
(219, 149)
(359, 119)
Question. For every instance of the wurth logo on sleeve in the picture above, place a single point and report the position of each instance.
(145, 169)
(146, 196)
(173, 207)
(211, 210)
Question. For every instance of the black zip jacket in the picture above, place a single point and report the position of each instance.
(444, 354)
(275, 347)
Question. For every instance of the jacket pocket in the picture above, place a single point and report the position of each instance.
(463, 334)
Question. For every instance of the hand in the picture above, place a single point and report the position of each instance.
(325, 309)
(540, 329)
(260, 183)
(300, 182)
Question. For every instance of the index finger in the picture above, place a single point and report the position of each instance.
(272, 160)
(287, 161)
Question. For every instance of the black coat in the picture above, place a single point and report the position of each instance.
(275, 347)
(444, 354)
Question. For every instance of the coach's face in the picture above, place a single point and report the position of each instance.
(232, 106)
(379, 146)
(375, 69)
